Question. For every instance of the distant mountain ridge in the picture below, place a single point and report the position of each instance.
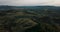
(5, 7)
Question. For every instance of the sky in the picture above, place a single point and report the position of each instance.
(30, 2)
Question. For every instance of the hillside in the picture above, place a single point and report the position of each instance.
(29, 21)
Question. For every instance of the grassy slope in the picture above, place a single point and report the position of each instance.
(13, 21)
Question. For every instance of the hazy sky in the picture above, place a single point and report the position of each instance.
(30, 2)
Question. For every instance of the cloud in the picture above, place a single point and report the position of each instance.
(30, 2)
